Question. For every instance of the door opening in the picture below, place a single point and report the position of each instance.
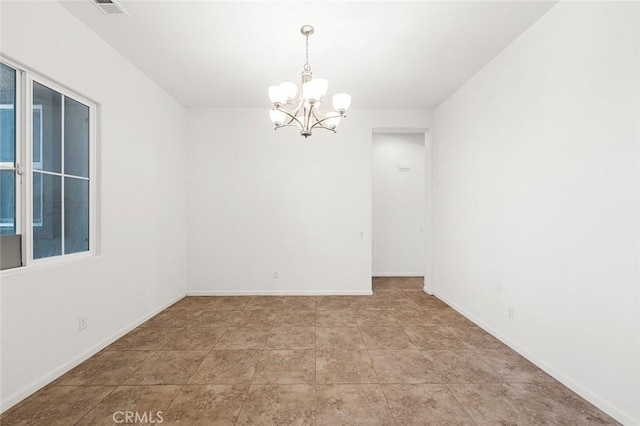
(401, 207)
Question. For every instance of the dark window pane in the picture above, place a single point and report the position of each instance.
(7, 114)
(47, 238)
(37, 200)
(76, 138)
(76, 215)
(7, 202)
(49, 143)
(37, 137)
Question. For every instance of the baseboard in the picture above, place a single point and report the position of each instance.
(277, 293)
(604, 405)
(12, 400)
(397, 274)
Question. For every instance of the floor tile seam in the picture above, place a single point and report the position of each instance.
(92, 408)
(250, 383)
(174, 397)
(426, 382)
(244, 401)
(269, 383)
(370, 357)
(217, 383)
(393, 416)
(89, 385)
(511, 402)
(347, 383)
(315, 359)
(493, 370)
(138, 368)
(215, 343)
(204, 358)
(11, 412)
(390, 349)
(258, 364)
(473, 419)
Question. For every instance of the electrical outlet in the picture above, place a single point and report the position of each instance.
(275, 276)
(511, 313)
(82, 323)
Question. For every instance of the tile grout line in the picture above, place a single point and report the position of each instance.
(386, 400)
(315, 361)
(246, 395)
(92, 408)
(118, 385)
(446, 385)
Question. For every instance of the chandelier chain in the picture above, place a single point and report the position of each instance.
(307, 67)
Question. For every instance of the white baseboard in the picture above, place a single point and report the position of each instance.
(397, 274)
(277, 293)
(601, 403)
(15, 398)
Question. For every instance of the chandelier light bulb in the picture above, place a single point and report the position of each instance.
(341, 101)
(277, 117)
(303, 103)
(276, 96)
(315, 89)
(288, 89)
(334, 119)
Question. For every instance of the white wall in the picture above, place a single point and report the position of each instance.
(142, 261)
(536, 203)
(398, 204)
(264, 201)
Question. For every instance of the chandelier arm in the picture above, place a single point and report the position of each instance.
(307, 119)
(319, 122)
(322, 126)
(315, 114)
(286, 125)
(292, 116)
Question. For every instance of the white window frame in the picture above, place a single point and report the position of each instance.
(34, 109)
(24, 156)
(15, 167)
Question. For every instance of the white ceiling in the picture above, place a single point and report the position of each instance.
(391, 54)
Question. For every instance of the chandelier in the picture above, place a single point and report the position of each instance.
(301, 108)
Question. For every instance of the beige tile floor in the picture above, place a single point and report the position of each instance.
(398, 357)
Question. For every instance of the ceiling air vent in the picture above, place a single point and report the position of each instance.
(110, 7)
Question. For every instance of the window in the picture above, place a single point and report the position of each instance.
(48, 197)
(7, 150)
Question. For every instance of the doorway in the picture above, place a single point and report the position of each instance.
(399, 178)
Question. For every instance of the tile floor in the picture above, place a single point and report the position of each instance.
(398, 357)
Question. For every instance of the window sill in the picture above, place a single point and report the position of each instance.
(49, 263)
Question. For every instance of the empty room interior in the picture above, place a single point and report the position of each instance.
(319, 213)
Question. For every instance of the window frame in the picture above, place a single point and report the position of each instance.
(24, 167)
(17, 169)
